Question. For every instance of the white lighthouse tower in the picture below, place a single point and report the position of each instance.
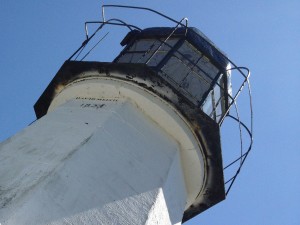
(134, 141)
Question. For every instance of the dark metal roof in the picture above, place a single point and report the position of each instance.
(192, 34)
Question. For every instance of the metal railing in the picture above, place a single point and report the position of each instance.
(232, 111)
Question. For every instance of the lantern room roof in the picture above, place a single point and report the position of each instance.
(191, 34)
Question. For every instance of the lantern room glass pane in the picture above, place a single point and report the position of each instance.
(182, 64)
(141, 51)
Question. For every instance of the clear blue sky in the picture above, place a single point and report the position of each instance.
(38, 36)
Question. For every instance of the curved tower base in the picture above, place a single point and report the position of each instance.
(100, 160)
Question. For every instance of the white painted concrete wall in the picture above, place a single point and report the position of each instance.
(86, 165)
(93, 162)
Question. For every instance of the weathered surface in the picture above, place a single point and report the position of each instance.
(206, 129)
(92, 162)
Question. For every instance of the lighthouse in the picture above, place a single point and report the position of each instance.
(132, 141)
